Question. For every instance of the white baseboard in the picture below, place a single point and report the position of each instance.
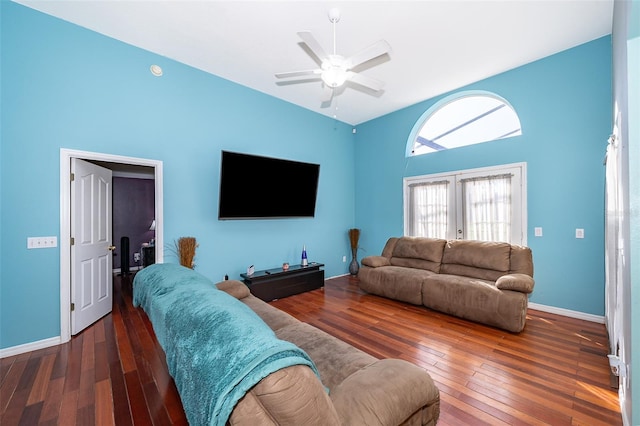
(626, 421)
(567, 313)
(28, 347)
(337, 276)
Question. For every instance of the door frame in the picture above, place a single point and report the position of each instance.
(65, 221)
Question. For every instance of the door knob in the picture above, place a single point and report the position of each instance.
(112, 248)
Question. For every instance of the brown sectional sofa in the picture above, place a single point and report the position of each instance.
(362, 390)
(486, 282)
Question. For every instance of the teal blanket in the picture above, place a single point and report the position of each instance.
(217, 348)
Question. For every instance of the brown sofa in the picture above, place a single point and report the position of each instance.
(362, 390)
(486, 282)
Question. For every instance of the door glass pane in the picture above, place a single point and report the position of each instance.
(486, 205)
(429, 209)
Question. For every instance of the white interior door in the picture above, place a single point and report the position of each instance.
(91, 250)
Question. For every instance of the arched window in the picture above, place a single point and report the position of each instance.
(463, 119)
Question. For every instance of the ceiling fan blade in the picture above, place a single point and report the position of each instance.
(313, 44)
(298, 73)
(373, 51)
(327, 94)
(363, 80)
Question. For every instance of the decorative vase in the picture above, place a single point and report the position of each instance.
(354, 236)
(353, 266)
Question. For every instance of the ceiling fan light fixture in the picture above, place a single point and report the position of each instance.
(334, 77)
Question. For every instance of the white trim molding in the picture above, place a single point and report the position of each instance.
(567, 313)
(65, 221)
(28, 347)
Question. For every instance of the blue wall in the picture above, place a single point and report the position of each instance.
(564, 104)
(66, 87)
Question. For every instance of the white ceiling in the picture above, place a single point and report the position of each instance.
(437, 46)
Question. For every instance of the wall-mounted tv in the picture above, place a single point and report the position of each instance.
(256, 187)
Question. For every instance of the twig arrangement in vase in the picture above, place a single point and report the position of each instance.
(354, 236)
(186, 250)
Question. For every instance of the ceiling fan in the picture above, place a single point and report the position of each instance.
(334, 69)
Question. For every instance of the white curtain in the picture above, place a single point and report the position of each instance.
(487, 208)
(613, 243)
(428, 209)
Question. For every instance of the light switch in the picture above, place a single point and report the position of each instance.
(579, 233)
(42, 242)
(537, 231)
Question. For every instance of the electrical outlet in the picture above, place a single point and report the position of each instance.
(579, 233)
(344, 259)
(42, 242)
(136, 257)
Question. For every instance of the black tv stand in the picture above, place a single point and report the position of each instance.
(277, 283)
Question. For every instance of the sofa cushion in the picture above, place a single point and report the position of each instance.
(291, 396)
(476, 300)
(394, 282)
(235, 288)
(336, 360)
(457, 294)
(517, 282)
(387, 381)
(275, 318)
(416, 252)
(387, 251)
(375, 261)
(521, 261)
(476, 259)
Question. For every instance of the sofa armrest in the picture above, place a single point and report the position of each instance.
(375, 261)
(387, 392)
(235, 288)
(517, 282)
(291, 396)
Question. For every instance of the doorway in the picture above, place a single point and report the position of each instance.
(133, 216)
(65, 219)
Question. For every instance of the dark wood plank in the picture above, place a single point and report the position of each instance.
(31, 414)
(11, 380)
(104, 404)
(39, 387)
(53, 400)
(121, 408)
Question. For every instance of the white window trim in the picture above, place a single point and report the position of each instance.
(521, 216)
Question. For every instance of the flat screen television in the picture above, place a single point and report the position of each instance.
(256, 187)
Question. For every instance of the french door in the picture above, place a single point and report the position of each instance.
(487, 204)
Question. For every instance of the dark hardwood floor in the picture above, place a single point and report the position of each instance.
(553, 373)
